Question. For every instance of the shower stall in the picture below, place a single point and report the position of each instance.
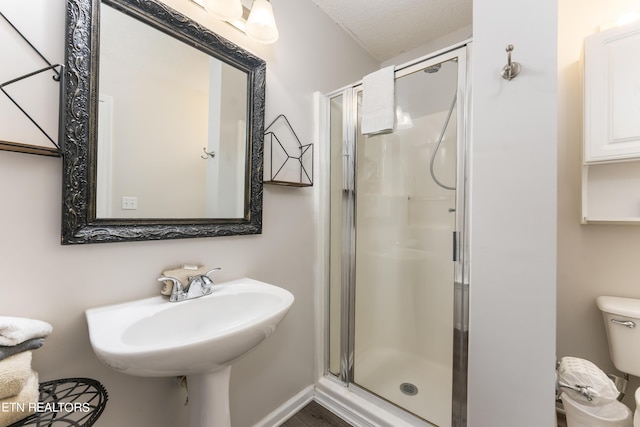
(396, 258)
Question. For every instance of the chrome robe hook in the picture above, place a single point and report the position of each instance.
(512, 69)
(207, 154)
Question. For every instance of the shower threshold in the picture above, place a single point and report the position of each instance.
(361, 408)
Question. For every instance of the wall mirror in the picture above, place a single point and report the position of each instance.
(163, 127)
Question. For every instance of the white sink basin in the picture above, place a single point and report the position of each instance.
(154, 337)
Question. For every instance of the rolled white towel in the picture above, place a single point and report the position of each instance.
(15, 330)
(14, 373)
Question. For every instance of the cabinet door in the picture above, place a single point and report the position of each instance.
(612, 95)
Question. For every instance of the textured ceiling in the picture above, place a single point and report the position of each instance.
(387, 28)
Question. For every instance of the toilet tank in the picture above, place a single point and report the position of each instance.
(622, 323)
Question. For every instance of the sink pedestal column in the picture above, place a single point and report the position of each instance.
(209, 399)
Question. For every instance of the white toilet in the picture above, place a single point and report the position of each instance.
(622, 323)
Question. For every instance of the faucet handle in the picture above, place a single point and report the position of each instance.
(212, 270)
(171, 279)
(177, 293)
(203, 282)
(206, 280)
(176, 289)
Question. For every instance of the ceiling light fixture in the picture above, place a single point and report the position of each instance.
(261, 24)
(258, 23)
(227, 10)
(627, 18)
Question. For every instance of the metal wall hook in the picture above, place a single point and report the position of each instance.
(512, 69)
(207, 154)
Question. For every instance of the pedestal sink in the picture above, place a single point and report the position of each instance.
(199, 338)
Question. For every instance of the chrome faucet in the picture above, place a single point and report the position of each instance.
(177, 289)
(198, 286)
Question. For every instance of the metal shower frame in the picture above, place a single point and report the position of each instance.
(462, 52)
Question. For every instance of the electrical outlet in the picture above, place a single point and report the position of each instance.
(129, 203)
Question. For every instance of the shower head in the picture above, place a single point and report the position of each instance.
(436, 67)
(433, 69)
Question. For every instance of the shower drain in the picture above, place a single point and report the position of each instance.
(409, 389)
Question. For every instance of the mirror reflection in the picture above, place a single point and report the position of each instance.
(163, 124)
(171, 126)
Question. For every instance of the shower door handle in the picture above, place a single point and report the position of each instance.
(455, 246)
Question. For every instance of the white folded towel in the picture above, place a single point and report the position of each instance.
(378, 101)
(21, 405)
(14, 373)
(15, 330)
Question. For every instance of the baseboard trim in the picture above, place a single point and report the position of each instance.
(287, 409)
(335, 400)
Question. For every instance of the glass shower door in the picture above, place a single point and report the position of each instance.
(405, 218)
(397, 264)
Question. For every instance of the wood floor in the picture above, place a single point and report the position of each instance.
(315, 415)
(562, 420)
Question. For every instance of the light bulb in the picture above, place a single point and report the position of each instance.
(261, 24)
(627, 18)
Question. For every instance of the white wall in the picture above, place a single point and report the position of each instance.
(593, 260)
(159, 153)
(431, 46)
(44, 280)
(513, 216)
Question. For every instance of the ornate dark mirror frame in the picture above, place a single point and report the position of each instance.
(79, 118)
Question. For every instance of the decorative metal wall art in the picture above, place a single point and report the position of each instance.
(22, 147)
(287, 161)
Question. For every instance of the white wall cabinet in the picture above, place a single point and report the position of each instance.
(612, 95)
(611, 171)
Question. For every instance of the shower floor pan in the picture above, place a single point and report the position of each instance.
(393, 375)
